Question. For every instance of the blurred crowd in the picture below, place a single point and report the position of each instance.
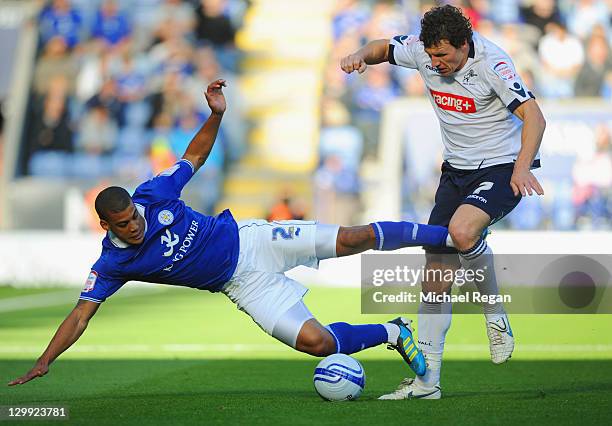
(118, 91)
(118, 88)
(561, 49)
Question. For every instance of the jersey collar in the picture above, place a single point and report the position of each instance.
(119, 243)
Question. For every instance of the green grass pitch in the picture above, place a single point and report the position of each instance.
(178, 356)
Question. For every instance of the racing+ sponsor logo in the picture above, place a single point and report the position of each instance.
(452, 102)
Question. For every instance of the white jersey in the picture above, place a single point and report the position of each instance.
(474, 105)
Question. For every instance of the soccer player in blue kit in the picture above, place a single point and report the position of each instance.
(153, 236)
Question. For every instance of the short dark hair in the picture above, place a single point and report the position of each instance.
(445, 23)
(113, 199)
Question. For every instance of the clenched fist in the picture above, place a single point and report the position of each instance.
(352, 63)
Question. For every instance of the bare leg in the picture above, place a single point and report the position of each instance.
(355, 239)
(314, 339)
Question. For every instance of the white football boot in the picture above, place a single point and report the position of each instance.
(501, 339)
(411, 389)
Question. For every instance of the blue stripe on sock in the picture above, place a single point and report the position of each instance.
(475, 251)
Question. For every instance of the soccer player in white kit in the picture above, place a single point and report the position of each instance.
(491, 128)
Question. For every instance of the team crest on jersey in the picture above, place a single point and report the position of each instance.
(286, 234)
(90, 283)
(468, 76)
(165, 217)
(504, 71)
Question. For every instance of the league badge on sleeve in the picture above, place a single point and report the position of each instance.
(504, 71)
(90, 282)
(165, 217)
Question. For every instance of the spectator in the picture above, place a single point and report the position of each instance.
(107, 97)
(161, 154)
(131, 76)
(175, 16)
(55, 61)
(540, 13)
(386, 21)
(212, 25)
(369, 100)
(281, 210)
(49, 129)
(168, 100)
(94, 71)
(586, 15)
(110, 25)
(61, 19)
(1, 137)
(593, 181)
(350, 17)
(562, 56)
(98, 132)
(598, 63)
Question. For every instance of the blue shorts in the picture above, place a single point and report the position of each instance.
(487, 188)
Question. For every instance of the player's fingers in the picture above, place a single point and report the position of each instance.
(515, 189)
(21, 380)
(538, 188)
(362, 67)
(523, 190)
(345, 65)
(528, 188)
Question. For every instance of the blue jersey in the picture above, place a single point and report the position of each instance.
(180, 247)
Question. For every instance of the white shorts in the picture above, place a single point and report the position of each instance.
(259, 286)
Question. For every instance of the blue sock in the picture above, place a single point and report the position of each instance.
(354, 338)
(395, 235)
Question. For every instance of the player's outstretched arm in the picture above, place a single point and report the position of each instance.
(68, 332)
(200, 146)
(523, 181)
(374, 52)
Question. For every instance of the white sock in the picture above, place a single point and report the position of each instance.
(393, 332)
(480, 257)
(434, 320)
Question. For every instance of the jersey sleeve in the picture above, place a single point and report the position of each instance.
(100, 286)
(506, 83)
(167, 185)
(404, 49)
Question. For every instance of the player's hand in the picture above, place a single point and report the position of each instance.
(214, 96)
(39, 370)
(523, 182)
(352, 63)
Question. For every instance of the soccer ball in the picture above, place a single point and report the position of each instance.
(339, 377)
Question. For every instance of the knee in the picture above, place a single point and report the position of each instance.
(321, 343)
(464, 235)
